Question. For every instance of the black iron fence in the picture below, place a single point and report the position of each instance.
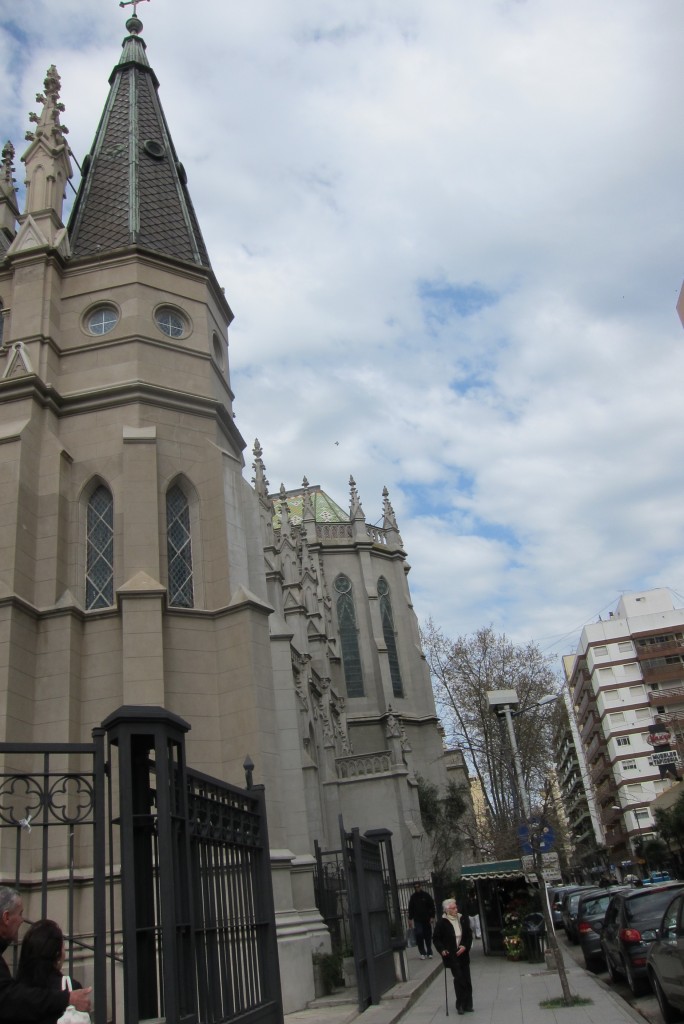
(159, 876)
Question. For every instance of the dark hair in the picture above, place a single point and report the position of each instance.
(40, 951)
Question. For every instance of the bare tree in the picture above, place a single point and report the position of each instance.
(463, 670)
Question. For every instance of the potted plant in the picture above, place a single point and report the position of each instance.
(512, 936)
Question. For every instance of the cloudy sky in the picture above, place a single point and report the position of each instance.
(451, 235)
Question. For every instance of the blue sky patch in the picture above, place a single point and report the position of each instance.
(443, 301)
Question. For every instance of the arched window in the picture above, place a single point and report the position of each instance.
(390, 637)
(179, 549)
(349, 639)
(100, 549)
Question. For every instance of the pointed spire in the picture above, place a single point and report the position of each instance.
(259, 479)
(389, 522)
(285, 525)
(9, 209)
(47, 159)
(307, 506)
(355, 510)
(134, 189)
(48, 168)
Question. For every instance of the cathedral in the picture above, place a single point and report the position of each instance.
(140, 561)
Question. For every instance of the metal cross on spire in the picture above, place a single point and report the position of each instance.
(133, 3)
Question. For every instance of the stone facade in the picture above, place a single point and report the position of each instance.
(137, 564)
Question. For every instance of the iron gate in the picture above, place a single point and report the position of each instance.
(369, 917)
(159, 876)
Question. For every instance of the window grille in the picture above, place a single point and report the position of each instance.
(100, 550)
(179, 549)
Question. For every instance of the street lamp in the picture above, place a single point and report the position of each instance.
(503, 703)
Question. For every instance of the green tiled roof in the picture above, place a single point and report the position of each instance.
(325, 509)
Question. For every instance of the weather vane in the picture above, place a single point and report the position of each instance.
(133, 3)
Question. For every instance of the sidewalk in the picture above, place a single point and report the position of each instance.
(504, 992)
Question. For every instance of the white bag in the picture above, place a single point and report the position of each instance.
(71, 1015)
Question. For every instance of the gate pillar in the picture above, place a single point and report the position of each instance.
(156, 889)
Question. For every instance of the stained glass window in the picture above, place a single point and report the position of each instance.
(100, 550)
(389, 634)
(179, 549)
(349, 638)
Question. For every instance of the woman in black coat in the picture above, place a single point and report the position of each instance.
(41, 958)
(453, 938)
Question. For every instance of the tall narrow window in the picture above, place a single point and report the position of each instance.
(390, 637)
(349, 639)
(179, 549)
(100, 549)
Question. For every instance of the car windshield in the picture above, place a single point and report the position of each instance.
(647, 906)
(596, 906)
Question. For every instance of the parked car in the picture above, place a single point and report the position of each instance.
(591, 910)
(556, 895)
(665, 961)
(569, 911)
(630, 926)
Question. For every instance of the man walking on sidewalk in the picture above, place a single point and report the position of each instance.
(421, 916)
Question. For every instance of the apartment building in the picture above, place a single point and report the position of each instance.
(626, 684)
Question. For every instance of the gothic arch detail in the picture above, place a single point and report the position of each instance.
(389, 635)
(349, 636)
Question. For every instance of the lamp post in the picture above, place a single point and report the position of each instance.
(503, 703)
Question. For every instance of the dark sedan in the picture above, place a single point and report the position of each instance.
(569, 911)
(591, 910)
(665, 962)
(556, 895)
(630, 926)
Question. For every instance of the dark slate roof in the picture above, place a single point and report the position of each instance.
(133, 189)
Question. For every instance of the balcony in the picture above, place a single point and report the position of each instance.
(670, 647)
(664, 698)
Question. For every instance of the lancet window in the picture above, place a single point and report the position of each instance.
(179, 549)
(100, 549)
(349, 637)
(389, 634)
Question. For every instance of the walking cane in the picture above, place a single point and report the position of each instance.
(446, 991)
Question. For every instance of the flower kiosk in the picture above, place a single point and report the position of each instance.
(504, 899)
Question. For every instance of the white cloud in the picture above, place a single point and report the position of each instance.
(350, 160)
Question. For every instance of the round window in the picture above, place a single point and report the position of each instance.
(102, 320)
(170, 322)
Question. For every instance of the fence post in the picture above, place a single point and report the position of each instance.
(155, 875)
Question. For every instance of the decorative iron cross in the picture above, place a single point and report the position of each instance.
(128, 3)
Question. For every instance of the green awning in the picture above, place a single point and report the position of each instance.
(493, 869)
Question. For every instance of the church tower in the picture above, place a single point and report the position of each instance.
(137, 564)
(131, 571)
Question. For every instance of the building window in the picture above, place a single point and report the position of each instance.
(179, 549)
(612, 697)
(623, 741)
(625, 646)
(629, 766)
(102, 320)
(100, 550)
(616, 718)
(389, 636)
(170, 322)
(637, 692)
(643, 714)
(601, 652)
(642, 815)
(349, 639)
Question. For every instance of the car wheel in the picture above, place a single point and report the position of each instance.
(637, 985)
(615, 975)
(670, 1015)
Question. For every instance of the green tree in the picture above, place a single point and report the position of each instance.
(442, 821)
